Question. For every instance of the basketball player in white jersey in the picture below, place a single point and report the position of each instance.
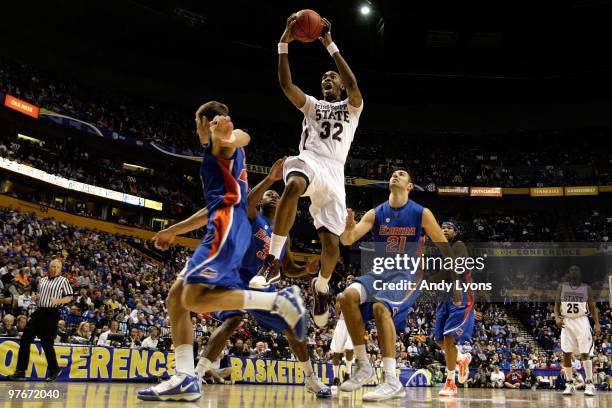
(317, 172)
(574, 301)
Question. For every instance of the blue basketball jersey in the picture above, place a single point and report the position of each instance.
(224, 181)
(399, 227)
(399, 232)
(261, 228)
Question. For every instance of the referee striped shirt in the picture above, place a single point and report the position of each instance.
(54, 288)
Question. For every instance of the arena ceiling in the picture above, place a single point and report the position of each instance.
(406, 52)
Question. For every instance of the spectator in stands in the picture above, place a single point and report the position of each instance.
(114, 329)
(82, 334)
(261, 350)
(151, 341)
(528, 379)
(135, 338)
(579, 382)
(83, 300)
(8, 328)
(24, 301)
(20, 323)
(240, 349)
(513, 379)
(600, 368)
(497, 378)
(62, 335)
(478, 379)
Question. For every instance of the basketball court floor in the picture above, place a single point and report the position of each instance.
(123, 395)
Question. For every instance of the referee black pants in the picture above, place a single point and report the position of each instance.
(42, 323)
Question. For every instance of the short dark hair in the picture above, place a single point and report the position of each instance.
(211, 109)
(403, 169)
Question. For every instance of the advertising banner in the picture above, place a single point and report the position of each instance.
(485, 191)
(77, 185)
(95, 363)
(546, 191)
(89, 363)
(21, 106)
(581, 190)
(453, 190)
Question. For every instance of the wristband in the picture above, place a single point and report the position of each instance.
(283, 48)
(332, 49)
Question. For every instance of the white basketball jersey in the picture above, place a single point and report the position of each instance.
(329, 127)
(574, 300)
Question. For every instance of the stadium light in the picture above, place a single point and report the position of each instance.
(365, 10)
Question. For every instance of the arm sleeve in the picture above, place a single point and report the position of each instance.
(67, 288)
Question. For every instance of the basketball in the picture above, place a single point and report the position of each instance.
(308, 26)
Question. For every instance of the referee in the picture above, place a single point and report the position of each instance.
(53, 291)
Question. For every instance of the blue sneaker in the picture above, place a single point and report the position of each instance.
(180, 387)
(290, 306)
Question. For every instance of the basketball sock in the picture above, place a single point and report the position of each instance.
(349, 366)
(450, 375)
(276, 245)
(259, 300)
(568, 374)
(203, 366)
(360, 352)
(183, 355)
(336, 370)
(307, 367)
(389, 365)
(321, 283)
(588, 370)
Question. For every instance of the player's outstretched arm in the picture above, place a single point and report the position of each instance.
(164, 238)
(292, 92)
(435, 234)
(558, 319)
(257, 192)
(353, 232)
(346, 74)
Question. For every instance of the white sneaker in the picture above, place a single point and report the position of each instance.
(569, 388)
(363, 373)
(589, 389)
(315, 386)
(289, 305)
(179, 387)
(391, 387)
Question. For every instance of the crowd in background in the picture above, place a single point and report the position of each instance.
(522, 159)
